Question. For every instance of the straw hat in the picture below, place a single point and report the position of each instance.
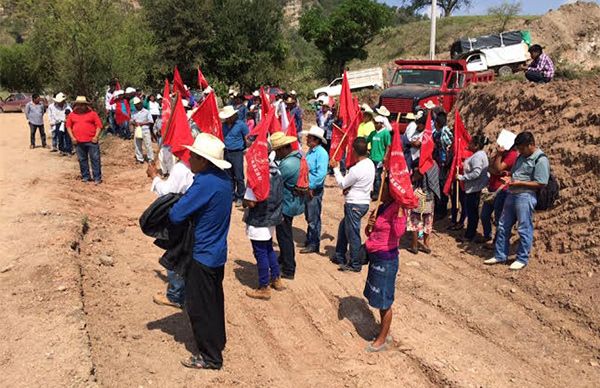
(429, 105)
(380, 119)
(279, 139)
(227, 112)
(210, 148)
(383, 111)
(136, 100)
(366, 108)
(289, 100)
(60, 97)
(410, 116)
(316, 132)
(293, 93)
(81, 100)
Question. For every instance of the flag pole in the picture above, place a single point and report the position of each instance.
(341, 142)
(171, 116)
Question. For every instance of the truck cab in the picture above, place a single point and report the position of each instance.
(416, 82)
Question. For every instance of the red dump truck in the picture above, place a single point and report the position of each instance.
(416, 82)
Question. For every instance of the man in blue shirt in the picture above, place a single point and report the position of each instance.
(293, 204)
(318, 163)
(235, 131)
(208, 203)
(530, 173)
(295, 113)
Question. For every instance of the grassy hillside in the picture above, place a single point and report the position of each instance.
(412, 40)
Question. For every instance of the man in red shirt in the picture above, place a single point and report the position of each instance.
(500, 166)
(84, 126)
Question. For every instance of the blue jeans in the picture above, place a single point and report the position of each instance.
(472, 209)
(312, 213)
(112, 125)
(266, 262)
(176, 287)
(349, 234)
(236, 158)
(377, 181)
(86, 153)
(55, 136)
(494, 207)
(64, 140)
(517, 208)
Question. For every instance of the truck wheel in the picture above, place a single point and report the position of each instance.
(505, 71)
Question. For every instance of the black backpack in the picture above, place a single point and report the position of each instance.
(547, 195)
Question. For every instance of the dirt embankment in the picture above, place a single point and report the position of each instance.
(565, 120)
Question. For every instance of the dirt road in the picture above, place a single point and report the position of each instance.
(78, 305)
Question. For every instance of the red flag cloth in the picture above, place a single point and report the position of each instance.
(166, 107)
(292, 131)
(207, 116)
(338, 143)
(346, 101)
(352, 131)
(122, 111)
(265, 104)
(270, 122)
(178, 84)
(426, 158)
(202, 82)
(461, 141)
(399, 178)
(118, 86)
(257, 161)
(179, 133)
(302, 182)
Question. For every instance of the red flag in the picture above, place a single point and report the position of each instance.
(461, 140)
(270, 122)
(166, 107)
(346, 101)
(352, 134)
(122, 111)
(399, 177)
(292, 131)
(338, 143)
(118, 86)
(178, 86)
(257, 161)
(207, 116)
(202, 82)
(426, 158)
(265, 104)
(179, 133)
(302, 181)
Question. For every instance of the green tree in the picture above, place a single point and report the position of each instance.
(343, 35)
(17, 70)
(505, 12)
(447, 6)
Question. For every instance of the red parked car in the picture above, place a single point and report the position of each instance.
(15, 102)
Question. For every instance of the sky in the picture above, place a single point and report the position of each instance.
(530, 7)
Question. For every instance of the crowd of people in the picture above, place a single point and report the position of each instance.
(203, 184)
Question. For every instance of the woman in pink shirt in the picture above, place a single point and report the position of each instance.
(382, 249)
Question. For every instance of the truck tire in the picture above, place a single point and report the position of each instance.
(505, 71)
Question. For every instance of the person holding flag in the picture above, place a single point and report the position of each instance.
(379, 141)
(235, 131)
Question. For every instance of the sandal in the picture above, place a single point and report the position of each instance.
(372, 349)
(195, 362)
(424, 249)
(414, 251)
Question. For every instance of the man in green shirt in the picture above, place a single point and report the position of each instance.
(380, 139)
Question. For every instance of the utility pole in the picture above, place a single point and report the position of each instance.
(433, 23)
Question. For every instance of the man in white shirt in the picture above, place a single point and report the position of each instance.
(143, 119)
(180, 179)
(57, 115)
(110, 106)
(357, 186)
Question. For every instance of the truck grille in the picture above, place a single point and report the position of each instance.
(398, 105)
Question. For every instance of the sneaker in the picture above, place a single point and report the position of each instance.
(309, 250)
(482, 239)
(263, 293)
(161, 299)
(277, 284)
(347, 268)
(492, 261)
(287, 276)
(53, 150)
(517, 265)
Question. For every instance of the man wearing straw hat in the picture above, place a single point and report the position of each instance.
(235, 131)
(57, 115)
(208, 203)
(293, 204)
(84, 126)
(318, 162)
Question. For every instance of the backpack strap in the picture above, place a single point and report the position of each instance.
(535, 162)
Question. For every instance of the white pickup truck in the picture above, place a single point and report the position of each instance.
(358, 79)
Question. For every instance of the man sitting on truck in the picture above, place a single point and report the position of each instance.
(541, 69)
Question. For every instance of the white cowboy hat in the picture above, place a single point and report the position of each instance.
(324, 100)
(293, 93)
(410, 116)
(380, 119)
(207, 90)
(289, 100)
(231, 92)
(429, 105)
(383, 111)
(227, 112)
(136, 100)
(210, 148)
(158, 96)
(185, 103)
(81, 100)
(256, 93)
(130, 90)
(316, 132)
(118, 93)
(60, 97)
(279, 139)
(366, 108)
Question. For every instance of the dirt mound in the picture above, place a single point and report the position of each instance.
(564, 117)
(571, 34)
